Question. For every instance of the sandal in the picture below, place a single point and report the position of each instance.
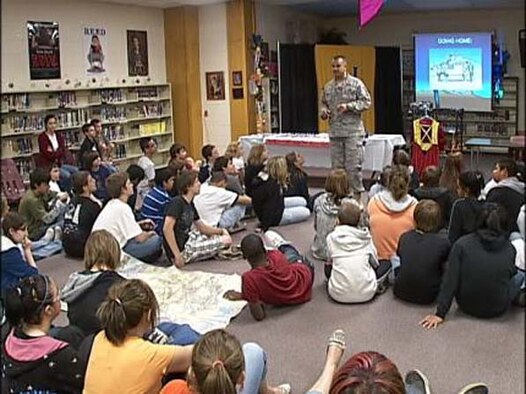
(232, 253)
(284, 388)
(337, 339)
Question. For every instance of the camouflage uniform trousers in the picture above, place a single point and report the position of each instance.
(348, 153)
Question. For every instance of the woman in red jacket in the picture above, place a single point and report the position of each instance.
(52, 149)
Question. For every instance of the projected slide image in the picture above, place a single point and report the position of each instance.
(455, 65)
(455, 68)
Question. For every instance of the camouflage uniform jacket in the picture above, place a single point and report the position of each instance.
(350, 91)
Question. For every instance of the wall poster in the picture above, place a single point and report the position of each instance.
(95, 43)
(44, 50)
(137, 53)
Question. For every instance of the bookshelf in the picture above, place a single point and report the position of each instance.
(127, 114)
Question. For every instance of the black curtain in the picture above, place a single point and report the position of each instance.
(388, 116)
(299, 96)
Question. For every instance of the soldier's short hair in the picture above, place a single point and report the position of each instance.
(339, 57)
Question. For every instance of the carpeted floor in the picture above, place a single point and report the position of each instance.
(461, 351)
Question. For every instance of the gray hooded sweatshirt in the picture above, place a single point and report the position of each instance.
(325, 217)
(353, 255)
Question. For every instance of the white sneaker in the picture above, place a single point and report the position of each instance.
(49, 235)
(58, 233)
(275, 239)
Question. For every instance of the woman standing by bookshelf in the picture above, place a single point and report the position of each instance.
(52, 149)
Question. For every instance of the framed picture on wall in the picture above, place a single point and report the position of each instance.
(44, 50)
(237, 93)
(137, 53)
(237, 78)
(215, 85)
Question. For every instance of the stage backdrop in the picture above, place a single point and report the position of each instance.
(361, 57)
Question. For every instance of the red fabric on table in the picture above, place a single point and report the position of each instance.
(308, 144)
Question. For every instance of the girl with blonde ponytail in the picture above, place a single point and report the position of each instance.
(271, 206)
(221, 365)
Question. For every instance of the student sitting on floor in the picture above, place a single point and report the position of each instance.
(371, 372)
(89, 145)
(210, 153)
(466, 209)
(353, 270)
(234, 151)
(157, 200)
(85, 291)
(391, 213)
(182, 243)
(99, 172)
(276, 277)
(148, 147)
(220, 364)
(135, 238)
(326, 206)
(54, 178)
(79, 220)
(32, 360)
(450, 172)
(509, 191)
(219, 207)
(257, 157)
(481, 274)
(423, 254)
(136, 175)
(381, 185)
(42, 210)
(178, 155)
(129, 311)
(272, 208)
(298, 183)
(431, 190)
(233, 181)
(517, 239)
(402, 158)
(16, 263)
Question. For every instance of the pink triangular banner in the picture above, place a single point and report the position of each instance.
(368, 10)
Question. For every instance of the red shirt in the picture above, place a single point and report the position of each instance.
(48, 155)
(279, 283)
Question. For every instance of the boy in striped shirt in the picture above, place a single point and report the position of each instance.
(157, 199)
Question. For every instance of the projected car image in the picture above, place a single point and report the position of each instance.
(454, 69)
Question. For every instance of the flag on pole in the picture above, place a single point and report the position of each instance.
(369, 9)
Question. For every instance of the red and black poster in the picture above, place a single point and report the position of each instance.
(44, 50)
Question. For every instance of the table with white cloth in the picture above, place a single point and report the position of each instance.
(315, 148)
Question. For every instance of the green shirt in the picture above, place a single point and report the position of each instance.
(36, 212)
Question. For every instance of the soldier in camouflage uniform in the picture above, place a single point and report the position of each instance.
(342, 102)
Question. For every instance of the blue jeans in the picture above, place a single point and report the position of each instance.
(148, 251)
(295, 211)
(179, 334)
(255, 368)
(231, 216)
(66, 172)
(515, 285)
(294, 256)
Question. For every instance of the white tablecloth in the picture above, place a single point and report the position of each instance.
(315, 148)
